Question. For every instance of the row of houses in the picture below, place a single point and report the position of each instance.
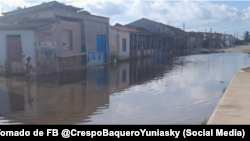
(217, 40)
(145, 37)
(56, 36)
(92, 90)
(141, 39)
(60, 37)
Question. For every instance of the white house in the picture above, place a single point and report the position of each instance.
(229, 40)
(119, 39)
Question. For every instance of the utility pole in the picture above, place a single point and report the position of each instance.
(169, 22)
(211, 42)
(184, 26)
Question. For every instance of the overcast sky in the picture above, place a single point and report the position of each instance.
(195, 14)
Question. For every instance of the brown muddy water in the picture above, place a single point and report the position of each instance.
(185, 90)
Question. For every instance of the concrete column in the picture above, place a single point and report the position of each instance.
(85, 22)
(155, 46)
(134, 44)
(137, 43)
(174, 44)
(107, 52)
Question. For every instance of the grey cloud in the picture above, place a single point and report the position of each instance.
(107, 8)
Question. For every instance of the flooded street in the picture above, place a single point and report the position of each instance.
(147, 91)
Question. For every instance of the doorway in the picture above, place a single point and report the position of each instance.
(14, 54)
(101, 47)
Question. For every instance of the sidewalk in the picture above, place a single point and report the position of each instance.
(234, 106)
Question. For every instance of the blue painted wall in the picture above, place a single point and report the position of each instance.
(96, 57)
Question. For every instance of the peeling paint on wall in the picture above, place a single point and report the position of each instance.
(95, 58)
(46, 57)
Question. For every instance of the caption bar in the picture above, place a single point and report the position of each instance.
(67, 133)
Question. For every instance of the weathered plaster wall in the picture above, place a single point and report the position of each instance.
(71, 60)
(93, 29)
(45, 48)
(46, 57)
(124, 54)
(75, 27)
(113, 41)
(27, 38)
(83, 37)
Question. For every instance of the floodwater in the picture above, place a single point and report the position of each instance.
(159, 90)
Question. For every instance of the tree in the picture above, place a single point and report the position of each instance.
(18, 8)
(246, 36)
(238, 41)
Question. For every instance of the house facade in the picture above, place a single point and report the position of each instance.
(154, 38)
(195, 42)
(229, 40)
(56, 36)
(216, 40)
(119, 39)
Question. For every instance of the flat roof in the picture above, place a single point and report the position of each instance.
(48, 4)
(124, 29)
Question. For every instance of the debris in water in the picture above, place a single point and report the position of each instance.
(222, 82)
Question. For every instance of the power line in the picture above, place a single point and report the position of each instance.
(220, 20)
(239, 22)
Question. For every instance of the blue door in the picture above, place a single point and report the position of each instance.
(101, 43)
(101, 47)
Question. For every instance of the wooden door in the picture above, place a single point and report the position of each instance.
(14, 49)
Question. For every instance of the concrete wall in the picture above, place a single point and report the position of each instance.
(124, 54)
(92, 30)
(113, 42)
(45, 49)
(67, 58)
(50, 52)
(27, 38)
(75, 27)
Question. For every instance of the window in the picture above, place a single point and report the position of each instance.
(124, 46)
(67, 40)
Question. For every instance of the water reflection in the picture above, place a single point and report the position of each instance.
(72, 96)
(153, 90)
